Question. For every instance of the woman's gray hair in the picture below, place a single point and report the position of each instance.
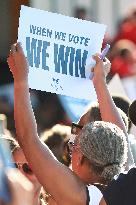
(105, 146)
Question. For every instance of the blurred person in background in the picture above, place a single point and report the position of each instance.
(19, 158)
(132, 112)
(21, 189)
(3, 125)
(80, 13)
(124, 103)
(56, 139)
(21, 163)
(14, 187)
(127, 28)
(123, 58)
(5, 108)
(47, 115)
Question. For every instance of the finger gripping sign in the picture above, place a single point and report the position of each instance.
(57, 48)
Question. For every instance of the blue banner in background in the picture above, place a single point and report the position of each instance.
(74, 107)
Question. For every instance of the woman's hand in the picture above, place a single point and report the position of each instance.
(101, 69)
(18, 63)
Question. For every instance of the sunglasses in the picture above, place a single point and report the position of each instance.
(24, 166)
(72, 144)
(75, 128)
(70, 147)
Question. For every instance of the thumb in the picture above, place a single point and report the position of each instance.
(96, 57)
(10, 61)
(19, 47)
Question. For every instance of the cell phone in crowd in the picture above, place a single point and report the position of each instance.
(5, 161)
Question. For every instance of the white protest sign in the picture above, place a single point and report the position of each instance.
(116, 87)
(129, 84)
(57, 48)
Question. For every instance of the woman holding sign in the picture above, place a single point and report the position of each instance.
(98, 146)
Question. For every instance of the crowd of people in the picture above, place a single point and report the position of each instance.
(90, 162)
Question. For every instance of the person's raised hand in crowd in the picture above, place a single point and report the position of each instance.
(102, 68)
(108, 109)
(21, 188)
(18, 63)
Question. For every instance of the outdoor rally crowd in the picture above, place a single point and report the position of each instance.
(90, 163)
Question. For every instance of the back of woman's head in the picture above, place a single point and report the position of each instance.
(105, 146)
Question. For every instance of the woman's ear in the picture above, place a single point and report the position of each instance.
(82, 160)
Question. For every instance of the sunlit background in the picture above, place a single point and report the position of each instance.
(109, 12)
